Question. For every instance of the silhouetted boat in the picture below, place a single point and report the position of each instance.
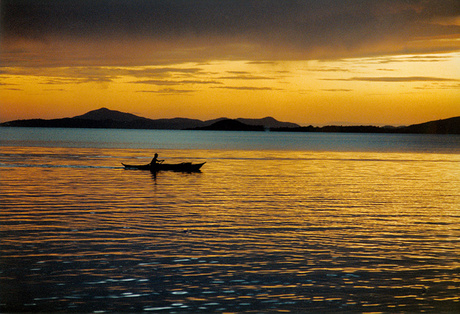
(182, 167)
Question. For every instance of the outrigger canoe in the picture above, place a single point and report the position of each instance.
(182, 167)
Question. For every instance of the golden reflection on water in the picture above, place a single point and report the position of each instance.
(254, 231)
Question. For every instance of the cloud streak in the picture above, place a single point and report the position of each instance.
(182, 82)
(167, 91)
(117, 32)
(337, 90)
(397, 79)
(248, 88)
(90, 74)
(245, 77)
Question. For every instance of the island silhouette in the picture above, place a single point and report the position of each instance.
(113, 119)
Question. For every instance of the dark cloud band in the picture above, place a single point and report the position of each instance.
(257, 30)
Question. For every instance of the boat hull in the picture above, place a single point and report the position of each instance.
(182, 167)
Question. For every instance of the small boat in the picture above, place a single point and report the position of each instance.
(182, 167)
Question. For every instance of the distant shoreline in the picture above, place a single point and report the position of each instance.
(110, 119)
(413, 129)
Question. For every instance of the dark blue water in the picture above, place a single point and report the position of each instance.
(175, 139)
(275, 222)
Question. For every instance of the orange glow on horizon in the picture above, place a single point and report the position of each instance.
(396, 90)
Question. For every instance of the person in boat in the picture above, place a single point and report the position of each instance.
(155, 160)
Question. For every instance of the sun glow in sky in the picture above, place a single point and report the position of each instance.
(309, 62)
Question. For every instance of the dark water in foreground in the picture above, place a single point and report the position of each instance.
(274, 228)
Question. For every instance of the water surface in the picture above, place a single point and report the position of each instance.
(179, 139)
(265, 229)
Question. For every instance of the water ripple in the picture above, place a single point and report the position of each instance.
(279, 231)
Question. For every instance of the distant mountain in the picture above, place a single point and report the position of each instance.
(268, 122)
(112, 119)
(231, 125)
(106, 118)
(446, 126)
(107, 114)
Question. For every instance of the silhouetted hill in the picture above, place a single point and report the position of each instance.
(107, 114)
(106, 118)
(231, 125)
(112, 119)
(446, 126)
(268, 122)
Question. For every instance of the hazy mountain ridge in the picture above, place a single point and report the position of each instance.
(107, 114)
(444, 126)
(106, 118)
(268, 122)
(231, 125)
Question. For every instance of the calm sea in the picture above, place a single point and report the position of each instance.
(288, 222)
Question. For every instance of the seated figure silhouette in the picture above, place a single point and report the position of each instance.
(155, 160)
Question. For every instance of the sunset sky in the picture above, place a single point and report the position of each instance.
(310, 62)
